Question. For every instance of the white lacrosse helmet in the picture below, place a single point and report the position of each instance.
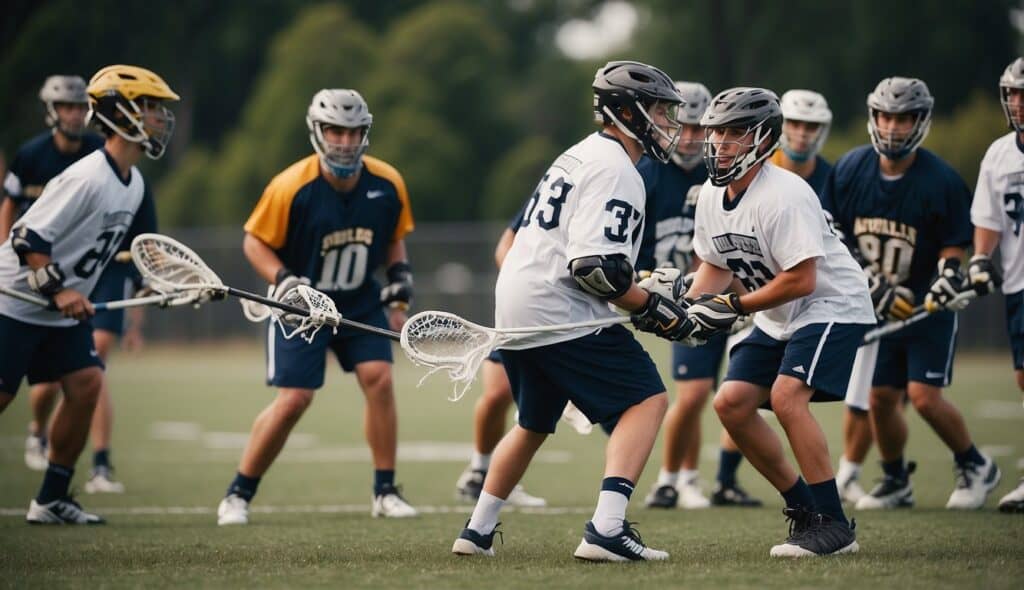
(339, 107)
(63, 89)
(697, 97)
(811, 107)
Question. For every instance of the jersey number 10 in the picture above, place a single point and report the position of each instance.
(344, 268)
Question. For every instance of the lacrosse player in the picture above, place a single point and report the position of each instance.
(764, 226)
(902, 209)
(331, 219)
(672, 189)
(35, 163)
(574, 253)
(491, 409)
(59, 248)
(998, 213)
(806, 120)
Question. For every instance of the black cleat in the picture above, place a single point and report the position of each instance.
(812, 534)
(662, 497)
(733, 495)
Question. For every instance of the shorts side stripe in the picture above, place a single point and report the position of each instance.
(952, 347)
(270, 350)
(817, 352)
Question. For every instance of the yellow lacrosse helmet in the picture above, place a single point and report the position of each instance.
(128, 101)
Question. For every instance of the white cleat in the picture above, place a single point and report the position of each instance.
(973, 485)
(102, 482)
(35, 453)
(577, 419)
(850, 490)
(391, 504)
(233, 510)
(519, 497)
(1014, 501)
(63, 511)
(691, 497)
(625, 546)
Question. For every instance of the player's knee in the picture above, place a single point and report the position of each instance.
(925, 402)
(376, 380)
(785, 406)
(692, 398)
(293, 402)
(884, 400)
(83, 387)
(497, 399)
(729, 406)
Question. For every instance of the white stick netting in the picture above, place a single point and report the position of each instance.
(320, 310)
(444, 341)
(170, 266)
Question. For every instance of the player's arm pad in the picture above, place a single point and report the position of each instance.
(25, 241)
(607, 276)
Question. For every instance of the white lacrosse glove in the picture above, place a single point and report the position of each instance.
(982, 275)
(667, 282)
(947, 285)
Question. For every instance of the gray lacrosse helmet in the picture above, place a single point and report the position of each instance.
(339, 107)
(1013, 77)
(754, 110)
(811, 107)
(63, 89)
(900, 95)
(634, 87)
(697, 97)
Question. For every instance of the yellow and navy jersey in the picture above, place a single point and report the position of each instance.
(817, 178)
(336, 240)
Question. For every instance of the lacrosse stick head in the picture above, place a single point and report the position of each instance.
(172, 267)
(320, 311)
(444, 341)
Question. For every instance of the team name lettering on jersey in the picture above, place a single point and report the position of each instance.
(885, 227)
(731, 242)
(348, 235)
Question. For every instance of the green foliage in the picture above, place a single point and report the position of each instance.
(514, 176)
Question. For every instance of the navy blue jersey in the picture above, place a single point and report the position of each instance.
(336, 240)
(900, 226)
(671, 204)
(820, 175)
(36, 162)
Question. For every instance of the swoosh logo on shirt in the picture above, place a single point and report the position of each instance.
(374, 194)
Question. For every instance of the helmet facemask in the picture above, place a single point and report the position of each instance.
(73, 131)
(1014, 112)
(655, 127)
(752, 147)
(689, 152)
(814, 143)
(343, 160)
(143, 120)
(897, 146)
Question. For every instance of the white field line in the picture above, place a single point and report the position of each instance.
(303, 509)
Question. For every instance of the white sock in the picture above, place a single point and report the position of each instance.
(480, 461)
(610, 512)
(689, 476)
(847, 469)
(485, 515)
(667, 478)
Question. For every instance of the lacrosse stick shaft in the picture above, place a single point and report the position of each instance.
(920, 313)
(395, 336)
(169, 299)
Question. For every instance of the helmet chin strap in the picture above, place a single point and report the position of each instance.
(341, 171)
(799, 157)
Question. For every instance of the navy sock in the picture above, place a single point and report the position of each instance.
(799, 496)
(728, 463)
(895, 468)
(620, 485)
(383, 479)
(101, 458)
(971, 455)
(243, 486)
(56, 481)
(826, 499)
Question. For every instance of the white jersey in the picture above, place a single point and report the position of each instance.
(83, 214)
(999, 205)
(589, 202)
(776, 224)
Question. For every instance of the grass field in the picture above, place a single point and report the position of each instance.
(183, 415)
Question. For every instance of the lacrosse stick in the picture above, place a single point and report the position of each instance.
(162, 300)
(920, 313)
(172, 267)
(443, 341)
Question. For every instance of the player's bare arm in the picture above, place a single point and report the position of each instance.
(7, 212)
(262, 258)
(71, 303)
(504, 245)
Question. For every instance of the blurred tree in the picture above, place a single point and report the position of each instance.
(514, 176)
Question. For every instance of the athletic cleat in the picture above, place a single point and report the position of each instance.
(470, 484)
(471, 542)
(63, 511)
(35, 453)
(691, 497)
(522, 499)
(233, 509)
(626, 546)
(812, 534)
(850, 489)
(102, 482)
(662, 497)
(733, 495)
(891, 492)
(391, 504)
(1014, 501)
(973, 485)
